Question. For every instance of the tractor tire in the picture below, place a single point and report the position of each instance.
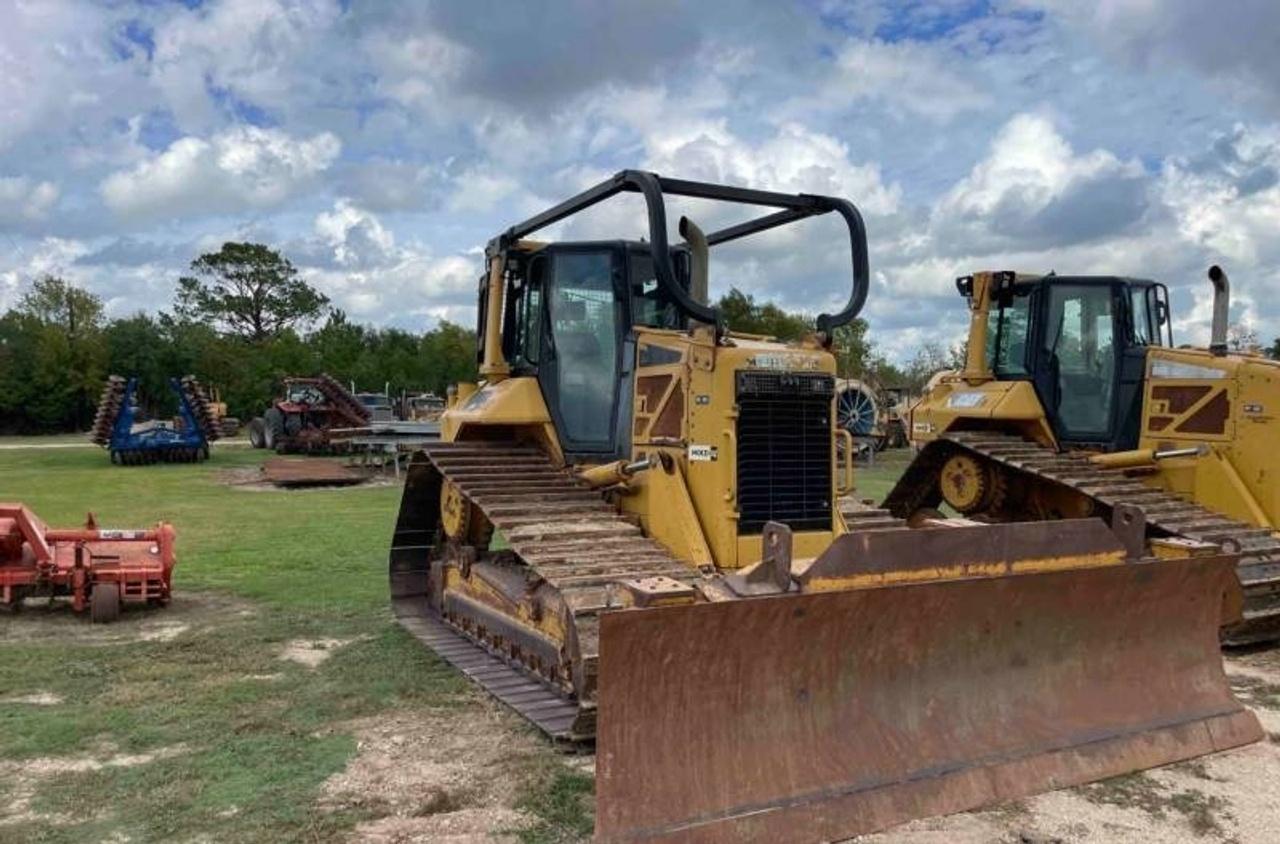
(273, 421)
(104, 603)
(257, 433)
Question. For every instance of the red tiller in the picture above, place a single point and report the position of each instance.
(97, 569)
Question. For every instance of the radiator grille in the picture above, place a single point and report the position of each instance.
(784, 450)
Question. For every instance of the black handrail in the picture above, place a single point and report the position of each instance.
(654, 187)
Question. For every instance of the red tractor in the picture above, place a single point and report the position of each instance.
(97, 569)
(303, 419)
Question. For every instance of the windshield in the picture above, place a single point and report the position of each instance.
(1007, 334)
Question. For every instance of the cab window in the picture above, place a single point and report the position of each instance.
(1007, 328)
(650, 305)
(1141, 305)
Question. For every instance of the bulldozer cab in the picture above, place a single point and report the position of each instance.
(1082, 342)
(570, 314)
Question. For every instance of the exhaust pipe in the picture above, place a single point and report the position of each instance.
(1221, 306)
(699, 258)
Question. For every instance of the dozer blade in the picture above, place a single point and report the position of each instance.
(823, 715)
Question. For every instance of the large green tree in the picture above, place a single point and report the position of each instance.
(249, 290)
(58, 327)
(742, 313)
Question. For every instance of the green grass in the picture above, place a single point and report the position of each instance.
(562, 805)
(256, 569)
(239, 758)
(1140, 791)
(874, 481)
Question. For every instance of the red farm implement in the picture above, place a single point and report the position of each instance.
(97, 569)
(305, 416)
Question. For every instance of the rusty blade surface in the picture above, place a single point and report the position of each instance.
(821, 716)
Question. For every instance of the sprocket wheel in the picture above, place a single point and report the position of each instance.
(967, 485)
(461, 520)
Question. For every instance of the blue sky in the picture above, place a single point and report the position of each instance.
(379, 145)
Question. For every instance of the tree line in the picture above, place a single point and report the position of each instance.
(244, 318)
(240, 322)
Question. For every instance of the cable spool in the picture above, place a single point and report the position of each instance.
(856, 408)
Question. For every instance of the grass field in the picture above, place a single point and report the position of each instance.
(239, 741)
(185, 723)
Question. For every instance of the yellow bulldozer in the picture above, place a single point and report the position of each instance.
(1073, 401)
(629, 533)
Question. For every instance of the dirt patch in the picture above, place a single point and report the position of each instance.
(162, 631)
(249, 479)
(1256, 690)
(34, 699)
(24, 779)
(1228, 797)
(40, 621)
(436, 776)
(311, 652)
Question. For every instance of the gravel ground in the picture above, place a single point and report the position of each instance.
(1227, 797)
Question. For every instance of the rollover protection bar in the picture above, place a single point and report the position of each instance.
(655, 188)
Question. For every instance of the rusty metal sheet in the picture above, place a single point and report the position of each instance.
(286, 472)
(821, 716)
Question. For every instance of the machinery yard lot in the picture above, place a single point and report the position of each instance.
(276, 699)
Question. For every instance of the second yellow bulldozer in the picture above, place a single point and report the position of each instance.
(1074, 400)
(629, 533)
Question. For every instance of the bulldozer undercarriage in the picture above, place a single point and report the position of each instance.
(528, 612)
(1002, 477)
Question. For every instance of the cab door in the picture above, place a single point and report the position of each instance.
(1077, 361)
(584, 328)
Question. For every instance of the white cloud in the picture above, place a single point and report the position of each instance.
(48, 256)
(793, 159)
(907, 77)
(1033, 188)
(406, 289)
(356, 236)
(244, 167)
(355, 260)
(1232, 45)
(1229, 199)
(24, 199)
(481, 190)
(263, 52)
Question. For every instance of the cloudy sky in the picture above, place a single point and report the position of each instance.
(379, 145)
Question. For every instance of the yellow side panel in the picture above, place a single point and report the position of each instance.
(662, 500)
(1229, 404)
(955, 404)
(512, 403)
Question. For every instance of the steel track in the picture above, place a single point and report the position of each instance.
(561, 533)
(1166, 513)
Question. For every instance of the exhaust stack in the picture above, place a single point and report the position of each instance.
(699, 258)
(1221, 307)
